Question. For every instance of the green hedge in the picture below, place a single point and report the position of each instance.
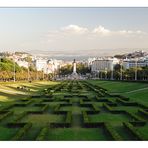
(57, 107)
(143, 112)
(68, 117)
(135, 117)
(85, 116)
(2, 117)
(133, 130)
(112, 132)
(42, 134)
(107, 107)
(20, 116)
(95, 107)
(22, 132)
(44, 108)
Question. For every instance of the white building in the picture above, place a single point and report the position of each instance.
(22, 63)
(130, 63)
(47, 66)
(103, 64)
(41, 64)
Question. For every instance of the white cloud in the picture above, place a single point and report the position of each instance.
(74, 29)
(101, 30)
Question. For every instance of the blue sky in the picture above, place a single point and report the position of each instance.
(66, 30)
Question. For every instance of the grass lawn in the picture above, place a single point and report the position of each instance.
(119, 87)
(7, 133)
(74, 109)
(41, 120)
(9, 91)
(108, 117)
(126, 88)
(132, 109)
(143, 131)
(77, 134)
(18, 110)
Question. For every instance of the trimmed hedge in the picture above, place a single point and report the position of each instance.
(60, 112)
(68, 117)
(142, 105)
(85, 116)
(45, 107)
(6, 115)
(107, 107)
(96, 109)
(112, 132)
(42, 134)
(93, 124)
(22, 132)
(143, 112)
(15, 125)
(137, 118)
(126, 103)
(20, 116)
(5, 108)
(130, 128)
(57, 107)
(59, 124)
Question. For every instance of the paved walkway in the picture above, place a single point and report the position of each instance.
(136, 90)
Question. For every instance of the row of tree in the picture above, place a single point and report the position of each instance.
(9, 70)
(120, 73)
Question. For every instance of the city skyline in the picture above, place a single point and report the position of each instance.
(74, 31)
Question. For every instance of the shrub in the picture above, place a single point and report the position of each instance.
(143, 112)
(135, 117)
(107, 107)
(42, 134)
(22, 132)
(45, 107)
(5, 115)
(96, 109)
(60, 124)
(133, 131)
(19, 116)
(57, 107)
(112, 132)
(68, 117)
(85, 116)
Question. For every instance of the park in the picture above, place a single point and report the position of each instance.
(92, 110)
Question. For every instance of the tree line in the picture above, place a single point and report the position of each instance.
(10, 69)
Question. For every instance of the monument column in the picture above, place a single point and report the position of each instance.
(74, 67)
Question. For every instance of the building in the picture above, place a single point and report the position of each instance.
(131, 63)
(41, 64)
(103, 64)
(22, 63)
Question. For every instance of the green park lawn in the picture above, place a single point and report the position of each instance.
(77, 134)
(9, 93)
(126, 89)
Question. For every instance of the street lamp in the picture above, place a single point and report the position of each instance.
(14, 69)
(43, 72)
(136, 69)
(105, 73)
(121, 69)
(28, 73)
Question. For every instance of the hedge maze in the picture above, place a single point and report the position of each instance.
(74, 110)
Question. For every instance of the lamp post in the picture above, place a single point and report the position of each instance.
(14, 69)
(105, 73)
(112, 72)
(136, 69)
(28, 73)
(121, 70)
(43, 72)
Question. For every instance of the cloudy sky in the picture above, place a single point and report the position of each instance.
(73, 31)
